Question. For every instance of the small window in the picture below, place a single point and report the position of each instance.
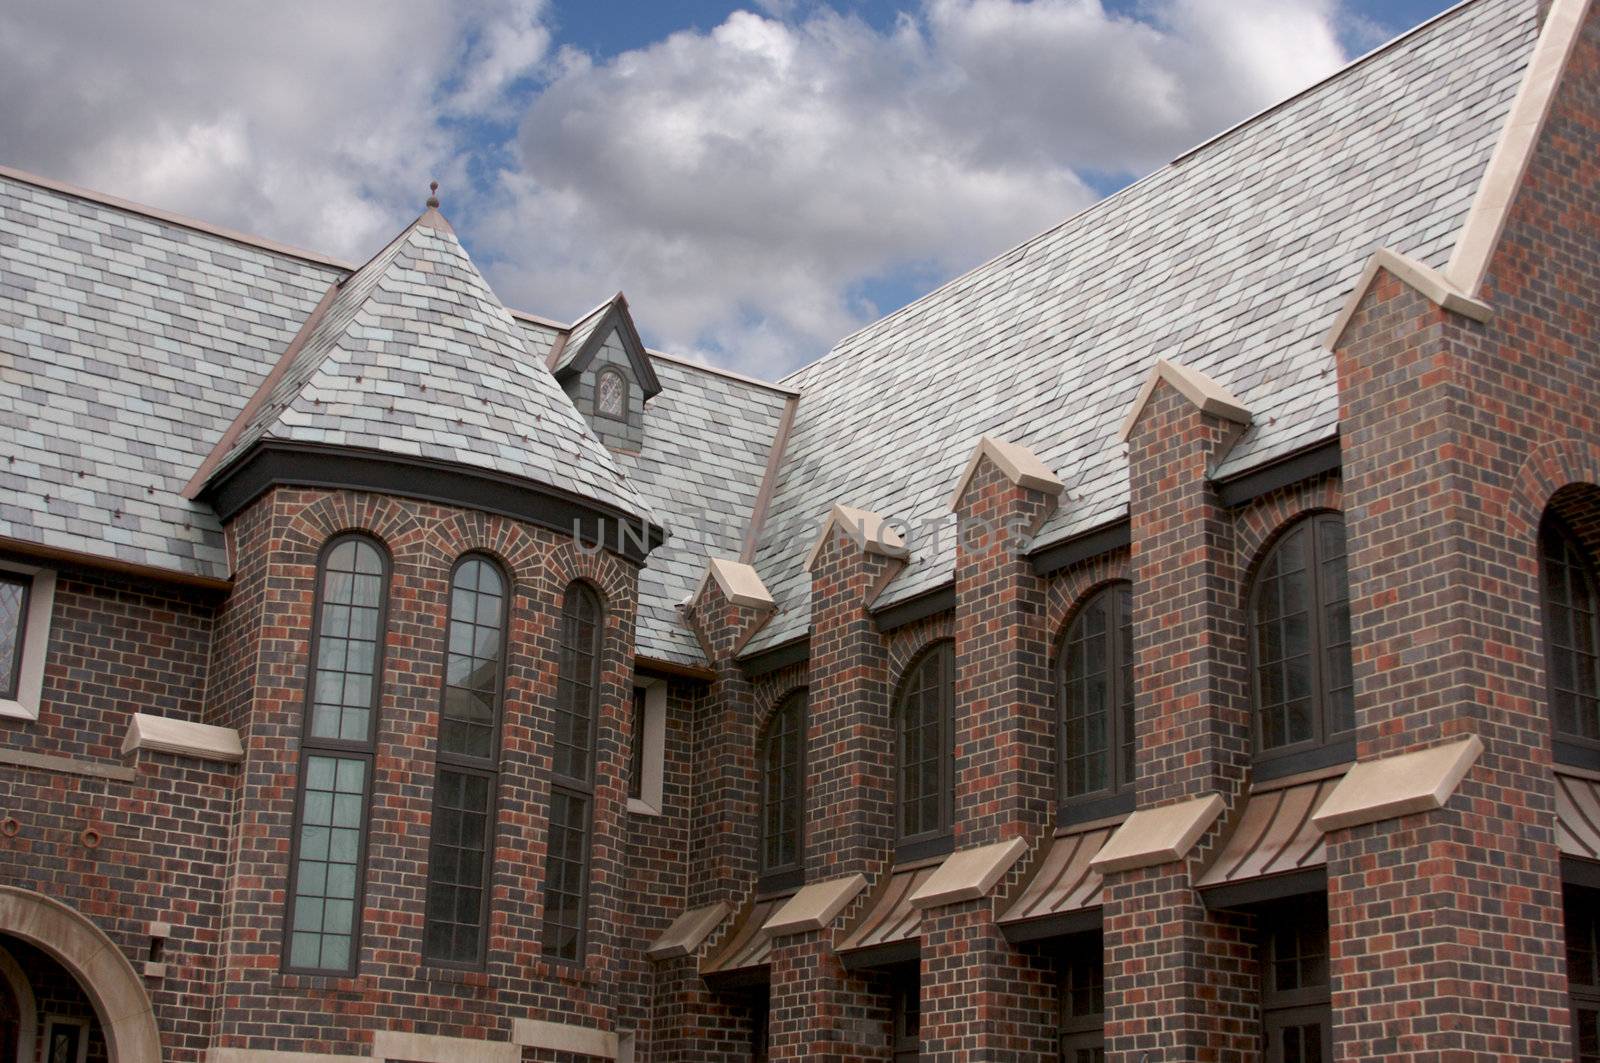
(1571, 638)
(337, 747)
(923, 759)
(1300, 613)
(1082, 999)
(1295, 991)
(611, 394)
(783, 787)
(466, 773)
(1094, 690)
(572, 781)
(1583, 970)
(13, 629)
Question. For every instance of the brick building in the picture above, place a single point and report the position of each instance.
(1176, 639)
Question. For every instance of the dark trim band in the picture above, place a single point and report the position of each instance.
(1324, 457)
(1118, 536)
(930, 603)
(768, 661)
(1062, 924)
(272, 464)
(1261, 890)
(889, 954)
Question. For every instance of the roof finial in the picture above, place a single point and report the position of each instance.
(433, 197)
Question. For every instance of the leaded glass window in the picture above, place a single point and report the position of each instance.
(1094, 677)
(783, 785)
(337, 746)
(13, 626)
(923, 747)
(1300, 622)
(462, 847)
(572, 783)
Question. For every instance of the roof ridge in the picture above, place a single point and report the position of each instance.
(1098, 204)
(716, 370)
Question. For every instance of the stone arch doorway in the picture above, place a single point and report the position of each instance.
(93, 959)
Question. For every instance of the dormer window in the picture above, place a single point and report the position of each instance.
(611, 394)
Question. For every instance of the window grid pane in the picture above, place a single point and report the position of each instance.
(13, 626)
(1095, 696)
(346, 669)
(1572, 650)
(924, 771)
(458, 864)
(472, 661)
(782, 793)
(578, 696)
(565, 875)
(332, 828)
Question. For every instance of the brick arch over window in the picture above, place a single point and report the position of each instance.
(517, 550)
(612, 579)
(1260, 524)
(108, 979)
(1551, 467)
(389, 520)
(1071, 589)
(908, 644)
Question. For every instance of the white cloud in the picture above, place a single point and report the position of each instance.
(317, 123)
(744, 185)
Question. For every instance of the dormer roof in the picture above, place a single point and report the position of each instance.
(573, 352)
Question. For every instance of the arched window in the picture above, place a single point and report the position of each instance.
(783, 786)
(572, 774)
(1300, 627)
(1571, 636)
(923, 759)
(1094, 692)
(330, 841)
(466, 768)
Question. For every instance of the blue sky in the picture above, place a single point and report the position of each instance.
(760, 178)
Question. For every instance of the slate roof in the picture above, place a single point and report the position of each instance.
(579, 334)
(127, 346)
(416, 357)
(707, 437)
(1235, 259)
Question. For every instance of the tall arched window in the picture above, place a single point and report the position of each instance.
(1571, 637)
(466, 770)
(572, 774)
(783, 787)
(1094, 691)
(923, 756)
(330, 841)
(1300, 627)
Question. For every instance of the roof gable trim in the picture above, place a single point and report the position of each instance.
(1212, 398)
(1519, 137)
(614, 317)
(1020, 465)
(1430, 283)
(871, 532)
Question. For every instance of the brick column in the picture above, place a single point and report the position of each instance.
(691, 1021)
(820, 1010)
(982, 999)
(1175, 983)
(1446, 925)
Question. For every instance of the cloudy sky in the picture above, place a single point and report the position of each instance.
(760, 179)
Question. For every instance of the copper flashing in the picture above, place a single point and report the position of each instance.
(1275, 834)
(769, 481)
(39, 551)
(748, 946)
(890, 917)
(1065, 881)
